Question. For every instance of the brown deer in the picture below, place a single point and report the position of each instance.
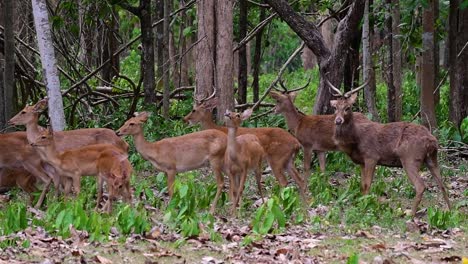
(396, 144)
(98, 159)
(115, 169)
(18, 177)
(179, 154)
(280, 146)
(65, 140)
(243, 153)
(17, 154)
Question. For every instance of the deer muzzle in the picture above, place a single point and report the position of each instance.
(339, 120)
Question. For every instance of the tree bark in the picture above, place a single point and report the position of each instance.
(242, 73)
(110, 46)
(257, 58)
(167, 66)
(224, 56)
(458, 61)
(428, 77)
(49, 64)
(147, 51)
(205, 55)
(330, 61)
(388, 65)
(368, 73)
(9, 67)
(397, 61)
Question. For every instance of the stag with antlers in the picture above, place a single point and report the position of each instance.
(397, 144)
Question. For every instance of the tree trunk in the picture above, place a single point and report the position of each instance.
(49, 64)
(242, 72)
(368, 74)
(388, 65)
(397, 61)
(458, 61)
(147, 51)
(205, 59)
(167, 66)
(257, 58)
(224, 56)
(436, 53)
(9, 66)
(428, 76)
(330, 61)
(110, 46)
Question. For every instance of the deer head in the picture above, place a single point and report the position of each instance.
(29, 113)
(283, 101)
(343, 109)
(233, 119)
(133, 125)
(45, 138)
(202, 109)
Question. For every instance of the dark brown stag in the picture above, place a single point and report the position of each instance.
(397, 144)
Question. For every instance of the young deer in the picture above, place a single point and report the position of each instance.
(179, 154)
(65, 140)
(280, 146)
(98, 159)
(243, 153)
(115, 169)
(18, 177)
(397, 144)
(17, 154)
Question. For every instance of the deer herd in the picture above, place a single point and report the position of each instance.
(62, 158)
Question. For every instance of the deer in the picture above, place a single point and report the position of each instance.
(65, 140)
(103, 160)
(395, 144)
(179, 154)
(18, 177)
(243, 153)
(314, 132)
(115, 169)
(279, 145)
(19, 157)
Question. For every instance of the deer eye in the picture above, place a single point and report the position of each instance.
(131, 124)
(43, 137)
(23, 112)
(347, 109)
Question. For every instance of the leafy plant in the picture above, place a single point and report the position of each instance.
(442, 219)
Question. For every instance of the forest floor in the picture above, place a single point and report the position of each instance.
(405, 240)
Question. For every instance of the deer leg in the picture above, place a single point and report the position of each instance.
(307, 161)
(277, 168)
(288, 164)
(258, 178)
(99, 190)
(412, 169)
(170, 181)
(240, 187)
(128, 193)
(432, 164)
(219, 185)
(367, 174)
(322, 160)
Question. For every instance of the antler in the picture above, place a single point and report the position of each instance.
(206, 98)
(339, 93)
(285, 89)
(348, 94)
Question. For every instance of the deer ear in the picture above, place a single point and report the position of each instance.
(246, 114)
(333, 103)
(352, 98)
(275, 95)
(210, 104)
(292, 96)
(143, 116)
(41, 105)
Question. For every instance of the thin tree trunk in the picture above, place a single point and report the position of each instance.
(436, 52)
(388, 66)
(428, 77)
(224, 56)
(9, 56)
(49, 64)
(110, 46)
(458, 61)
(257, 58)
(397, 61)
(242, 72)
(148, 51)
(205, 55)
(167, 66)
(368, 73)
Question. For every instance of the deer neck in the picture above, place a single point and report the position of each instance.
(32, 129)
(232, 146)
(49, 154)
(346, 132)
(140, 142)
(293, 117)
(208, 123)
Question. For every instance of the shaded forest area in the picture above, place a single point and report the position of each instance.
(152, 70)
